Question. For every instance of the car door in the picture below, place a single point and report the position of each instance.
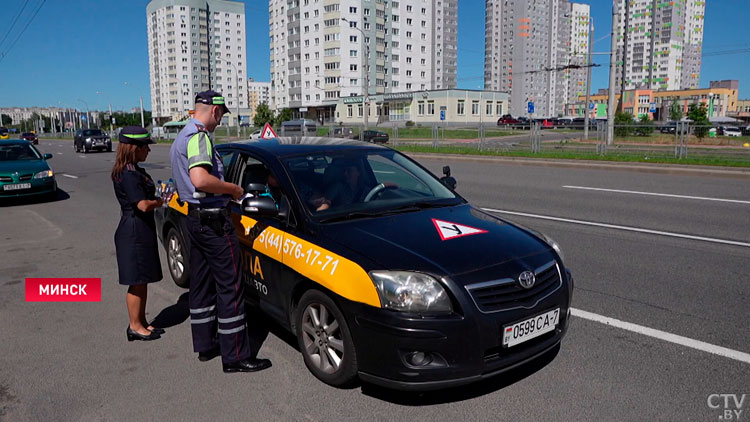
(261, 243)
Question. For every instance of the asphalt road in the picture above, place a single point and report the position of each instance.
(686, 276)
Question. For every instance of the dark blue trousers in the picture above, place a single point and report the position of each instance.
(217, 306)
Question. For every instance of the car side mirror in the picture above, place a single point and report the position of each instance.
(447, 179)
(255, 187)
(262, 206)
(48, 156)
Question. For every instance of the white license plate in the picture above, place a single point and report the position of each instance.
(530, 328)
(17, 186)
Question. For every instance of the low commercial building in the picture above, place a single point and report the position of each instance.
(719, 100)
(445, 106)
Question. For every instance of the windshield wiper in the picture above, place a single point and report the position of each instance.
(350, 216)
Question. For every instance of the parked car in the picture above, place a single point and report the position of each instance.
(24, 170)
(507, 120)
(410, 286)
(669, 127)
(342, 132)
(86, 140)
(302, 127)
(31, 137)
(256, 134)
(732, 131)
(4, 134)
(375, 136)
(545, 123)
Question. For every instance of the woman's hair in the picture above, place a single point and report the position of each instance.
(125, 155)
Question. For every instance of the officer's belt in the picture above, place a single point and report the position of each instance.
(198, 211)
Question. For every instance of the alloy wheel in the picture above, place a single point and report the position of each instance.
(321, 335)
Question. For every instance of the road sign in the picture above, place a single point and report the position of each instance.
(591, 106)
(267, 132)
(531, 107)
(652, 107)
(442, 114)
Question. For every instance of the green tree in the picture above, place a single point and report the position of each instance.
(699, 115)
(283, 116)
(263, 115)
(5, 120)
(645, 126)
(623, 124)
(675, 112)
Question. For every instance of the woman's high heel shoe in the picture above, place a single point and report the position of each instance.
(133, 335)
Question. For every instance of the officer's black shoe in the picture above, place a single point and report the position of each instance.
(206, 356)
(134, 335)
(157, 330)
(247, 365)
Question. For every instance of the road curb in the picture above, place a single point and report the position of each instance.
(599, 165)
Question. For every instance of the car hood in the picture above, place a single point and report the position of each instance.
(412, 241)
(23, 166)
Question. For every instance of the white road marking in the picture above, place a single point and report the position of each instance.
(82, 156)
(669, 195)
(59, 153)
(71, 176)
(626, 228)
(663, 335)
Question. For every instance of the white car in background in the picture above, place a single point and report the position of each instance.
(732, 131)
(255, 135)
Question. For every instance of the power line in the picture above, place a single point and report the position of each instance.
(18, 15)
(2, 56)
(725, 52)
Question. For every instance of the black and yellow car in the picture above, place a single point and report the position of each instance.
(389, 276)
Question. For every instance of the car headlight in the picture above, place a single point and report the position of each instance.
(556, 246)
(88, 139)
(43, 174)
(410, 292)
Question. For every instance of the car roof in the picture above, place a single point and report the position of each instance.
(14, 142)
(284, 146)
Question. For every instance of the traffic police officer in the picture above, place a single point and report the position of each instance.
(216, 289)
(136, 246)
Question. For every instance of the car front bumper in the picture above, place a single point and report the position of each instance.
(38, 187)
(464, 348)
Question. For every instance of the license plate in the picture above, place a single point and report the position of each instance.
(531, 328)
(17, 186)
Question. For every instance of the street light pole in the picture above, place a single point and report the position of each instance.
(612, 69)
(588, 81)
(88, 116)
(143, 122)
(236, 90)
(366, 69)
(111, 128)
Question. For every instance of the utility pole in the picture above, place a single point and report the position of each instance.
(612, 73)
(623, 83)
(143, 122)
(588, 81)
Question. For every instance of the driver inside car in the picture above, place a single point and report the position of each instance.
(347, 190)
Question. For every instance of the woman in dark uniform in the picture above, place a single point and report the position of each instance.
(135, 239)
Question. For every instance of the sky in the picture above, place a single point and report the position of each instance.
(80, 54)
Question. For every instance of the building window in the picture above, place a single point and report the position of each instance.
(475, 108)
(349, 111)
(489, 108)
(499, 109)
(420, 108)
(431, 108)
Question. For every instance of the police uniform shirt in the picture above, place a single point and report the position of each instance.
(194, 147)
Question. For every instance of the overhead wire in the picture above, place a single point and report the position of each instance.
(7, 50)
(15, 19)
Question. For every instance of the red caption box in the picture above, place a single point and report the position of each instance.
(63, 289)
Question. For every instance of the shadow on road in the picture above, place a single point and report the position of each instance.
(173, 314)
(59, 195)
(461, 393)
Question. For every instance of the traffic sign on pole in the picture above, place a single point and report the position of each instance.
(531, 107)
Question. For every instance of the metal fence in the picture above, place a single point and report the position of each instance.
(640, 142)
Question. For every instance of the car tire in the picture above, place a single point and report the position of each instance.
(85, 150)
(75, 147)
(324, 339)
(177, 259)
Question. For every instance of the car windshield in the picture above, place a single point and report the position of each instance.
(364, 183)
(3, 131)
(28, 134)
(17, 152)
(92, 132)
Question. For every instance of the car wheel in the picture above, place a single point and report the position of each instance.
(75, 147)
(325, 341)
(176, 259)
(85, 149)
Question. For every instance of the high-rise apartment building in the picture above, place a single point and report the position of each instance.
(320, 50)
(528, 46)
(258, 93)
(664, 44)
(195, 45)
